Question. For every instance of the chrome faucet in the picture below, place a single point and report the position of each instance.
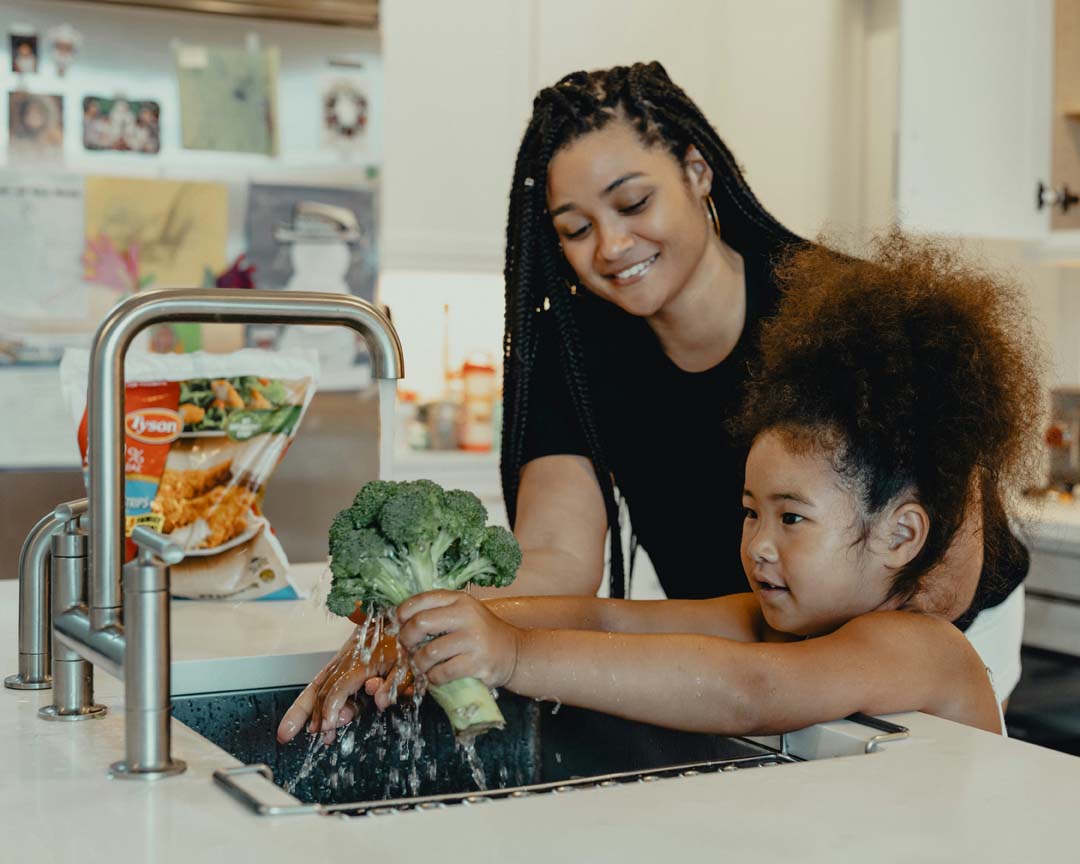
(35, 663)
(91, 626)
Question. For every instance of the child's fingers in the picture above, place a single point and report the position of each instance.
(293, 720)
(335, 699)
(441, 650)
(461, 666)
(348, 713)
(427, 600)
(432, 622)
(382, 696)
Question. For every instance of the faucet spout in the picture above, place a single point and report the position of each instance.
(105, 398)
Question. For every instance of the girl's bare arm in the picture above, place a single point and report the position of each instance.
(879, 664)
(737, 616)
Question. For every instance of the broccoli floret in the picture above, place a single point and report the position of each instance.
(401, 539)
(369, 501)
(495, 564)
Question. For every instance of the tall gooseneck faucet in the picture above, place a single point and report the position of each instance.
(135, 644)
(105, 398)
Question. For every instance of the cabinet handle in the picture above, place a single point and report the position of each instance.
(1048, 197)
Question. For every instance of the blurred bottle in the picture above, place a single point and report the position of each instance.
(411, 430)
(478, 404)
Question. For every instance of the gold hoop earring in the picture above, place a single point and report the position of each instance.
(711, 207)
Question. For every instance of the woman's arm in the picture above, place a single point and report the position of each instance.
(880, 663)
(561, 527)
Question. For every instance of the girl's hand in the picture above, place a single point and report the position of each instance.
(326, 702)
(469, 640)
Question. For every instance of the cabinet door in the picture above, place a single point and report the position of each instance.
(775, 78)
(457, 100)
(975, 93)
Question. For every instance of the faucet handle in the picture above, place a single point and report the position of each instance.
(150, 541)
(70, 510)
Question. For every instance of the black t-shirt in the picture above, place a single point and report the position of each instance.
(665, 435)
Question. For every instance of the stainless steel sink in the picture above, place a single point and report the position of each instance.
(376, 766)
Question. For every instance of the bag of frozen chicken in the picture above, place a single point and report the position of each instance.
(203, 434)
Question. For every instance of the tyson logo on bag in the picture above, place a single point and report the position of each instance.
(154, 425)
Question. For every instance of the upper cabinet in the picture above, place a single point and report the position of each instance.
(457, 91)
(976, 80)
(778, 79)
(1065, 123)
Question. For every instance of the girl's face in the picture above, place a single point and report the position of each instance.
(630, 219)
(801, 546)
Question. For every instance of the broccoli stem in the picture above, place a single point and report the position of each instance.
(459, 578)
(469, 705)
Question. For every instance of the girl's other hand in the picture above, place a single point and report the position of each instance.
(326, 703)
(451, 635)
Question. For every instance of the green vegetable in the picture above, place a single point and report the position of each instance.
(401, 539)
(275, 392)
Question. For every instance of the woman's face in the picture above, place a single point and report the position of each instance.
(630, 219)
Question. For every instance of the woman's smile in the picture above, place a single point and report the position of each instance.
(634, 273)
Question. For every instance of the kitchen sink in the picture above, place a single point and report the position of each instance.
(386, 762)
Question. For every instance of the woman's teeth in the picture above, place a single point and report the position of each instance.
(637, 269)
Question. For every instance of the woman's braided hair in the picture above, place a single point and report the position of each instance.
(538, 276)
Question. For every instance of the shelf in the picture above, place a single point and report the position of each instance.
(1060, 249)
(343, 13)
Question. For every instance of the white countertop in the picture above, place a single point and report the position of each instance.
(1049, 524)
(948, 794)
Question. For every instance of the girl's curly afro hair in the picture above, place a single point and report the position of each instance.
(914, 370)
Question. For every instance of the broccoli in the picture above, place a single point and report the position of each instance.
(401, 539)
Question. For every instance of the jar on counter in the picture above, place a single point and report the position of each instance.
(442, 425)
(411, 430)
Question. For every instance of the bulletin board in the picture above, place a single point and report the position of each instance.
(105, 190)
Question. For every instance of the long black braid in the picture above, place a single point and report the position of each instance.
(537, 275)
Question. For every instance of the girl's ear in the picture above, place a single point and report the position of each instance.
(698, 173)
(907, 526)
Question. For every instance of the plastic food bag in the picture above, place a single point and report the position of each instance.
(204, 432)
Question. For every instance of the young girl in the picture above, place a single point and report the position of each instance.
(893, 396)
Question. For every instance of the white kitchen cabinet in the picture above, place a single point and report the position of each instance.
(989, 108)
(457, 86)
(975, 116)
(779, 79)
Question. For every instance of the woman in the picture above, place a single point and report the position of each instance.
(639, 267)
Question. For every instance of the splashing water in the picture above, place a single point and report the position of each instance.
(308, 765)
(467, 747)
